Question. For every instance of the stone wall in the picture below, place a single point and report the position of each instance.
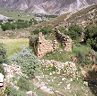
(45, 46)
(41, 46)
(65, 40)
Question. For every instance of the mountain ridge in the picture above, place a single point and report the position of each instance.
(46, 6)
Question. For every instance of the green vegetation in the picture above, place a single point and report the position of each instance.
(2, 53)
(63, 30)
(10, 91)
(17, 24)
(44, 30)
(28, 62)
(74, 31)
(14, 45)
(23, 84)
(2, 69)
(58, 56)
(57, 82)
(83, 54)
(91, 36)
(59, 79)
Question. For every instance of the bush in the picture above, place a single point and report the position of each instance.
(2, 53)
(23, 84)
(91, 36)
(82, 54)
(45, 30)
(63, 30)
(74, 31)
(13, 92)
(7, 26)
(2, 69)
(28, 62)
(16, 25)
(36, 31)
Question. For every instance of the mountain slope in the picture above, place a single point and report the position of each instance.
(46, 6)
(81, 17)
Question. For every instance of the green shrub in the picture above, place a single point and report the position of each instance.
(82, 54)
(58, 56)
(33, 20)
(63, 30)
(8, 90)
(52, 68)
(2, 53)
(74, 31)
(16, 25)
(23, 84)
(7, 26)
(91, 36)
(45, 30)
(13, 92)
(2, 69)
(28, 62)
(36, 31)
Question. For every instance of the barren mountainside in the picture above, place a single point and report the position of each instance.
(46, 6)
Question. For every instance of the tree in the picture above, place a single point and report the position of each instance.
(74, 31)
(91, 36)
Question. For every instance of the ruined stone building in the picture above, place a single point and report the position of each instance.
(41, 46)
(65, 40)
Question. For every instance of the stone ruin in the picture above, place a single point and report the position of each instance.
(41, 46)
(45, 46)
(65, 40)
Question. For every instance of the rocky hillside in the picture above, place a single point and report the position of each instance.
(82, 17)
(46, 6)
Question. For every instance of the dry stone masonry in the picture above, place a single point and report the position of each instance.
(65, 40)
(42, 46)
(45, 46)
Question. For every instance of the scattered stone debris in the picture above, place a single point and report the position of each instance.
(30, 93)
(43, 86)
(69, 67)
(12, 71)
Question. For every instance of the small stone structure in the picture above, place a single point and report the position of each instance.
(41, 46)
(65, 40)
(45, 46)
